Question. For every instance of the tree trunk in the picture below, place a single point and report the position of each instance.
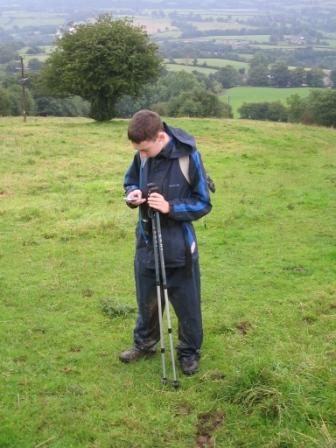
(102, 108)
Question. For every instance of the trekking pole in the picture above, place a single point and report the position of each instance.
(159, 298)
(176, 383)
(161, 285)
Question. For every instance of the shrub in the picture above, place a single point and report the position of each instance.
(274, 111)
(66, 107)
(4, 103)
(198, 103)
(319, 107)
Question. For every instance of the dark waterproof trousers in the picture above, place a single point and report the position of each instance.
(184, 294)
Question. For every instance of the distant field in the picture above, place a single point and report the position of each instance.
(324, 49)
(332, 43)
(40, 56)
(246, 56)
(10, 19)
(167, 34)
(250, 37)
(204, 26)
(270, 46)
(153, 25)
(230, 14)
(45, 48)
(238, 95)
(213, 62)
(330, 35)
(189, 68)
(288, 46)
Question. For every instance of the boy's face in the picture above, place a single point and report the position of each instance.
(150, 148)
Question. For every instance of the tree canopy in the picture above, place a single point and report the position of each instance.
(227, 76)
(178, 94)
(102, 62)
(258, 71)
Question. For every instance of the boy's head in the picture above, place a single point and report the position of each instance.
(144, 126)
(146, 132)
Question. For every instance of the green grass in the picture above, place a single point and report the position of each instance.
(40, 56)
(189, 68)
(154, 26)
(249, 38)
(214, 62)
(266, 46)
(205, 26)
(267, 376)
(168, 35)
(332, 43)
(239, 95)
(10, 19)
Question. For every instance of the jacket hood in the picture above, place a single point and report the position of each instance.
(184, 142)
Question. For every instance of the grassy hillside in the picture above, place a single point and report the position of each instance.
(239, 95)
(267, 376)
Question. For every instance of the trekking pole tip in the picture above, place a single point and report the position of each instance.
(164, 380)
(176, 384)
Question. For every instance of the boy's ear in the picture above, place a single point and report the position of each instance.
(161, 135)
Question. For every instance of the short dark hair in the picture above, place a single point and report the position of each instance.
(144, 125)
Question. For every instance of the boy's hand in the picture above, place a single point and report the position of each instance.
(135, 197)
(158, 202)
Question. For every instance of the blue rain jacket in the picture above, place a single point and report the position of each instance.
(188, 202)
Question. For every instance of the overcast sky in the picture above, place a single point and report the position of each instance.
(192, 4)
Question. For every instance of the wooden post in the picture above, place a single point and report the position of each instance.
(24, 97)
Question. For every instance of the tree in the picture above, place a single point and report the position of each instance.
(4, 103)
(258, 75)
(297, 77)
(314, 77)
(34, 50)
(61, 107)
(101, 62)
(12, 67)
(175, 83)
(318, 107)
(333, 78)
(170, 85)
(322, 104)
(258, 59)
(258, 71)
(274, 111)
(198, 103)
(35, 64)
(11, 99)
(296, 107)
(7, 53)
(277, 111)
(253, 111)
(227, 76)
(279, 74)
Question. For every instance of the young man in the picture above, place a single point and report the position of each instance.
(181, 197)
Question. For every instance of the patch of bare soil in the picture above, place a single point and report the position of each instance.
(207, 423)
(244, 327)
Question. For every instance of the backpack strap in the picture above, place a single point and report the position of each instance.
(184, 166)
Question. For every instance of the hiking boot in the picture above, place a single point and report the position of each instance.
(189, 366)
(134, 353)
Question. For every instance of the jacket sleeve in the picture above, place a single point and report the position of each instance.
(131, 179)
(198, 203)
